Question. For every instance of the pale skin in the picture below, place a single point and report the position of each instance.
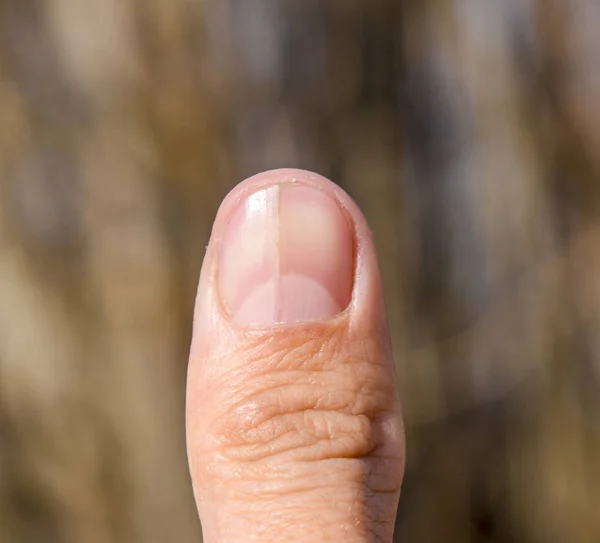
(294, 427)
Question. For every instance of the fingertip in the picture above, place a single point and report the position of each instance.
(283, 231)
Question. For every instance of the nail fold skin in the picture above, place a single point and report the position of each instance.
(286, 257)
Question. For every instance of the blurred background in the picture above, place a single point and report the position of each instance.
(469, 133)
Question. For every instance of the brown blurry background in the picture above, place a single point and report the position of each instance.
(469, 133)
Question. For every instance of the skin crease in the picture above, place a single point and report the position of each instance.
(295, 431)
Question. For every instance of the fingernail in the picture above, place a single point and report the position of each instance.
(287, 257)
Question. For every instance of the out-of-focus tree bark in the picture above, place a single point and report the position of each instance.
(469, 133)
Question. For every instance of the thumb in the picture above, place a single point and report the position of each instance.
(293, 421)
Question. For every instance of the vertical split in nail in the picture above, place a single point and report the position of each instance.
(287, 257)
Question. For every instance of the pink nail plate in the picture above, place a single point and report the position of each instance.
(287, 257)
